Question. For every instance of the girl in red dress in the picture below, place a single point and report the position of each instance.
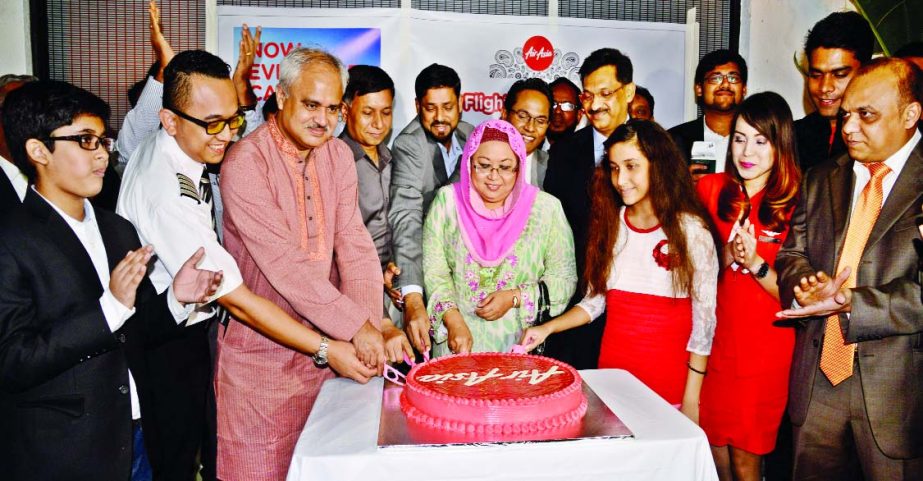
(744, 396)
(651, 264)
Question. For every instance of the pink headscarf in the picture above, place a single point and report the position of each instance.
(488, 235)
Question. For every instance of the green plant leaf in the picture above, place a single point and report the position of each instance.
(894, 22)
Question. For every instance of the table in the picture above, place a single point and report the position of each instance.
(339, 442)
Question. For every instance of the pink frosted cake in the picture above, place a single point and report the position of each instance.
(495, 394)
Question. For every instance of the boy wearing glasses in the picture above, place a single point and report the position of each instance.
(75, 309)
(528, 107)
(166, 193)
(720, 86)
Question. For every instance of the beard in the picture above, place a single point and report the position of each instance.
(439, 138)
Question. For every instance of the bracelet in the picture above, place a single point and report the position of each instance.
(689, 365)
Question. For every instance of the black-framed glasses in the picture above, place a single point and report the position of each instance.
(716, 78)
(564, 106)
(89, 142)
(526, 117)
(213, 127)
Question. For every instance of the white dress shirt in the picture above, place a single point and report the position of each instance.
(175, 225)
(895, 163)
(17, 178)
(115, 312)
(721, 146)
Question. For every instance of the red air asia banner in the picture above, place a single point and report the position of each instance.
(489, 52)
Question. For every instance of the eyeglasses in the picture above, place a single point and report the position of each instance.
(564, 106)
(717, 78)
(213, 127)
(605, 95)
(89, 142)
(526, 117)
(502, 170)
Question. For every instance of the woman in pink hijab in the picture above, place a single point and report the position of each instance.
(488, 241)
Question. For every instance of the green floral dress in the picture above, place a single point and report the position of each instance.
(543, 252)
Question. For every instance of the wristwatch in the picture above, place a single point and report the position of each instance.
(762, 271)
(320, 358)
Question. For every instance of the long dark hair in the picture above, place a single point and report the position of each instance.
(768, 113)
(672, 195)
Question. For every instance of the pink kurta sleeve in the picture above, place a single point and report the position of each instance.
(259, 199)
(354, 251)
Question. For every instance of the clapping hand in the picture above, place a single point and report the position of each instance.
(192, 285)
(162, 49)
(128, 274)
(246, 56)
(744, 249)
(819, 295)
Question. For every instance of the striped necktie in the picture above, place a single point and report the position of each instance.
(836, 357)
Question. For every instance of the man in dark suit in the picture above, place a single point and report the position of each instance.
(606, 75)
(13, 184)
(527, 106)
(426, 155)
(835, 49)
(855, 397)
(720, 86)
(74, 314)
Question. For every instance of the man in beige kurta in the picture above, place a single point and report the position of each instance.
(292, 222)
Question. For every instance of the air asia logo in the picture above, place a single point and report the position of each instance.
(538, 53)
(536, 58)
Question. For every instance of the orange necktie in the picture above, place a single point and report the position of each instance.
(836, 357)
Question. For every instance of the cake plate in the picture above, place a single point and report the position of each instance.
(394, 430)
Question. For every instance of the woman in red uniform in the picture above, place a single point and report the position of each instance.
(651, 265)
(744, 395)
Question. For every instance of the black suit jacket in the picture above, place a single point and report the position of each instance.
(65, 411)
(812, 134)
(569, 177)
(688, 133)
(886, 320)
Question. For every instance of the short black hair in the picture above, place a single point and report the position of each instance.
(176, 77)
(608, 56)
(533, 83)
(639, 90)
(436, 76)
(366, 79)
(843, 30)
(38, 108)
(566, 82)
(716, 58)
(270, 106)
(912, 49)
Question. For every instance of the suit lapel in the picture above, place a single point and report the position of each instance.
(905, 192)
(841, 181)
(64, 239)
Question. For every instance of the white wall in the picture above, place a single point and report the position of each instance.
(771, 33)
(14, 37)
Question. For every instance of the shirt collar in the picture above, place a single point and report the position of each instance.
(89, 215)
(384, 154)
(454, 149)
(898, 159)
(178, 160)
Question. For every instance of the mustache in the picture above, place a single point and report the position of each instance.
(315, 125)
(600, 110)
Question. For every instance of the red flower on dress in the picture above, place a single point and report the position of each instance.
(662, 255)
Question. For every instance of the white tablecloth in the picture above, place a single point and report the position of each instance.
(340, 440)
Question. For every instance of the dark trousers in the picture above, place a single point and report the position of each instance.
(173, 410)
(836, 442)
(209, 456)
